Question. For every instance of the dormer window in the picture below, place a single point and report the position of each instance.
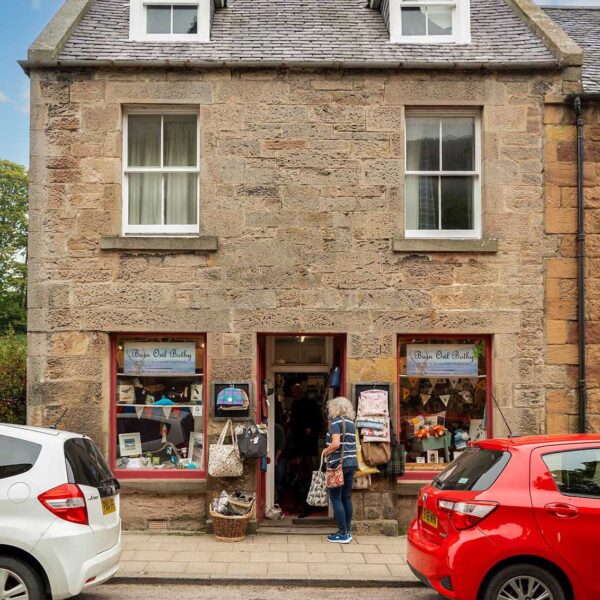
(170, 20)
(430, 21)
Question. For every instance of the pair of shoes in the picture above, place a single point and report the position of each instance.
(339, 538)
(350, 535)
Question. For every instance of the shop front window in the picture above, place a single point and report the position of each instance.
(159, 400)
(443, 398)
(301, 350)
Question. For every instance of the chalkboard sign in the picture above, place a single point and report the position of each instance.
(359, 388)
(231, 412)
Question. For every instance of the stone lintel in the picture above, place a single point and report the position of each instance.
(564, 48)
(417, 246)
(202, 243)
(168, 487)
(50, 42)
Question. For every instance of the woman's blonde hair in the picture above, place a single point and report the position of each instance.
(339, 407)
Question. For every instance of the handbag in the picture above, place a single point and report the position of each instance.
(224, 459)
(317, 494)
(253, 441)
(335, 477)
(397, 464)
(362, 483)
(376, 453)
(275, 513)
(373, 403)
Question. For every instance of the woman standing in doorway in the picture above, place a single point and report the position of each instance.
(341, 435)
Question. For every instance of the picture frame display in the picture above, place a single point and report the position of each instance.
(196, 449)
(130, 444)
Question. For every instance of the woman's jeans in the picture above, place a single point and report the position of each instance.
(341, 499)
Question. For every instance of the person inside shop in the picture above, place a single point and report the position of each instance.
(341, 436)
(280, 444)
(305, 428)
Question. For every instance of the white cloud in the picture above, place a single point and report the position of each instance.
(22, 104)
(3, 97)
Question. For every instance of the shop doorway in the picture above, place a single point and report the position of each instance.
(299, 374)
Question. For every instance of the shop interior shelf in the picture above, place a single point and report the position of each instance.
(158, 405)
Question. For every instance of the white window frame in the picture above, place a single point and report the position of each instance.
(460, 234)
(159, 229)
(138, 21)
(461, 22)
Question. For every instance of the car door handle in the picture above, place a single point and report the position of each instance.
(561, 510)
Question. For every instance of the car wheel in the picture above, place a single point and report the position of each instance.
(523, 582)
(18, 581)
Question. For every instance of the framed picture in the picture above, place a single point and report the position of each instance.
(197, 395)
(125, 394)
(130, 444)
(432, 456)
(224, 412)
(196, 449)
(477, 430)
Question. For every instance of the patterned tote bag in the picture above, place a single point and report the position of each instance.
(224, 459)
(317, 494)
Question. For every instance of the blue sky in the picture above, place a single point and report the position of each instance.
(20, 23)
(26, 18)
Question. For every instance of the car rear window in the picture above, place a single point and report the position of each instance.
(85, 464)
(475, 469)
(17, 456)
(576, 472)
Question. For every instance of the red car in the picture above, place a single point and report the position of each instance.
(513, 519)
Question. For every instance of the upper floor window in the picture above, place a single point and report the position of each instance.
(170, 20)
(442, 189)
(161, 171)
(430, 21)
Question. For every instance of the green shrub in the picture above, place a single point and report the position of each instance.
(13, 378)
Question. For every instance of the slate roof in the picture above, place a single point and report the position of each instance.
(320, 32)
(583, 25)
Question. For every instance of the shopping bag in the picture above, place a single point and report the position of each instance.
(224, 459)
(253, 441)
(376, 453)
(335, 476)
(317, 494)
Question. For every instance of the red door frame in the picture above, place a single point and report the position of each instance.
(339, 345)
(402, 339)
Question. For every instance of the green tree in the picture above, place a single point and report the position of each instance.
(13, 377)
(14, 191)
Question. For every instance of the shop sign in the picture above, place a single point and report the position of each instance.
(452, 360)
(151, 358)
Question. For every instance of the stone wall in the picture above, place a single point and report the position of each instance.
(302, 183)
(561, 270)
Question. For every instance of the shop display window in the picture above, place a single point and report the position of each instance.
(443, 397)
(159, 400)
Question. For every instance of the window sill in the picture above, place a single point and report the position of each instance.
(202, 243)
(419, 246)
(157, 486)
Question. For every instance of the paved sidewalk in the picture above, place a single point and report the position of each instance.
(267, 557)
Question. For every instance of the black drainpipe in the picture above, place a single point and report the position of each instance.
(582, 387)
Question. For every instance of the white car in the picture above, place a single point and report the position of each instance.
(60, 529)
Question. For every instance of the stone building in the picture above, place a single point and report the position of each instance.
(563, 403)
(293, 199)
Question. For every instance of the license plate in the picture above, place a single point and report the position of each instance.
(108, 506)
(428, 517)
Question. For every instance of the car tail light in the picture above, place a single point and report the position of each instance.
(467, 514)
(67, 502)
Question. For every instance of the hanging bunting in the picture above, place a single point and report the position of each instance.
(434, 381)
(139, 410)
(413, 382)
(405, 393)
(166, 411)
(481, 384)
(474, 381)
(445, 398)
(453, 381)
(424, 399)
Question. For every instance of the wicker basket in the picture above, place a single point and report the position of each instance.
(229, 529)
